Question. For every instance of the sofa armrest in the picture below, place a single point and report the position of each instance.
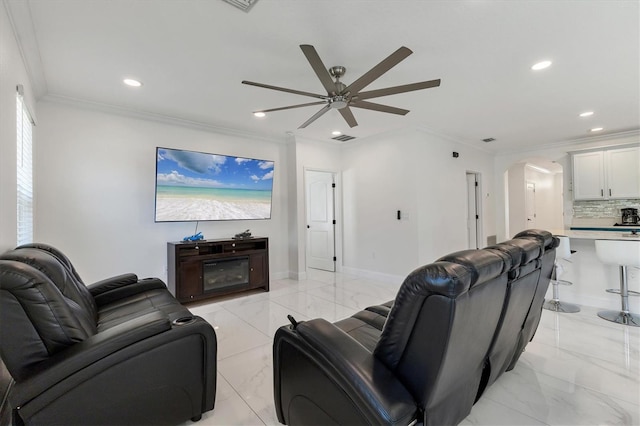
(121, 286)
(111, 283)
(363, 379)
(83, 354)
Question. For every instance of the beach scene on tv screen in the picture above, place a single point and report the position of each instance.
(194, 186)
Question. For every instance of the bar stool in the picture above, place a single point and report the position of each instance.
(563, 252)
(623, 254)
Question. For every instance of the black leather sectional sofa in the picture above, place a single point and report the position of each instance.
(455, 326)
(124, 351)
(120, 351)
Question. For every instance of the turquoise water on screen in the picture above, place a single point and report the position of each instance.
(221, 194)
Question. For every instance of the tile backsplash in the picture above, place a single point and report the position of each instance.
(596, 209)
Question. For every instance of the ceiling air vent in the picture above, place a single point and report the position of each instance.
(245, 5)
(488, 140)
(343, 138)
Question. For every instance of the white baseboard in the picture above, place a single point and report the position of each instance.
(372, 275)
(279, 275)
(298, 276)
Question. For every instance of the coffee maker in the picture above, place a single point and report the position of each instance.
(630, 216)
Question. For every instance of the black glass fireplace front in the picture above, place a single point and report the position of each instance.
(222, 274)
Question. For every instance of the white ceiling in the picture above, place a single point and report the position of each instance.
(192, 55)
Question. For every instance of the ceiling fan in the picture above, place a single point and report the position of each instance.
(340, 96)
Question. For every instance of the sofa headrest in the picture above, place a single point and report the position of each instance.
(438, 306)
(62, 278)
(434, 280)
(530, 249)
(511, 252)
(55, 253)
(35, 317)
(43, 262)
(546, 239)
(483, 265)
(440, 277)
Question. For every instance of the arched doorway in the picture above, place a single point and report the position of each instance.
(533, 195)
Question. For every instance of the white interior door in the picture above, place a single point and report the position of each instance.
(472, 211)
(320, 220)
(530, 205)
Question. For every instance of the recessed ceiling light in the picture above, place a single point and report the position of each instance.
(336, 133)
(586, 114)
(131, 82)
(541, 65)
(596, 129)
(259, 114)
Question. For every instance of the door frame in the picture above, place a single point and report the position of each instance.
(478, 202)
(472, 205)
(337, 214)
(528, 204)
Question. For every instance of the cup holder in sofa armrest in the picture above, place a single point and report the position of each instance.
(183, 320)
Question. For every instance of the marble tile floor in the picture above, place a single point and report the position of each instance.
(578, 370)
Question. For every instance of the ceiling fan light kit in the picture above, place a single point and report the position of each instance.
(244, 5)
(342, 97)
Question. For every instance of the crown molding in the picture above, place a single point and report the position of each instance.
(159, 118)
(634, 133)
(19, 14)
(401, 131)
(454, 140)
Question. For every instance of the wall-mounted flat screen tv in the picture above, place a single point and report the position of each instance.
(198, 186)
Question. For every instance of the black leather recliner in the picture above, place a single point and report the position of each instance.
(120, 351)
(454, 327)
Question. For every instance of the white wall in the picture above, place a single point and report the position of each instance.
(12, 73)
(442, 195)
(292, 209)
(517, 206)
(95, 187)
(548, 199)
(313, 155)
(412, 171)
(558, 194)
(379, 178)
(95, 181)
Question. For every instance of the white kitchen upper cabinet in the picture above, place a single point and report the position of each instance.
(607, 174)
(623, 173)
(588, 176)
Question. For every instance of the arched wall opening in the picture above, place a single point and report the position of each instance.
(533, 195)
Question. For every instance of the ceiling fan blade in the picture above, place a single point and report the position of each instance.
(348, 116)
(282, 89)
(398, 89)
(375, 72)
(319, 68)
(291, 106)
(315, 116)
(378, 107)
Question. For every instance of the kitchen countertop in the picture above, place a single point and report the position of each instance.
(625, 228)
(615, 233)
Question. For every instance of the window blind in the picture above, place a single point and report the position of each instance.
(24, 172)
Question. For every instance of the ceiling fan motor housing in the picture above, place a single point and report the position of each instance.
(337, 71)
(338, 102)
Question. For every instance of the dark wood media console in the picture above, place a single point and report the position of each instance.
(204, 269)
